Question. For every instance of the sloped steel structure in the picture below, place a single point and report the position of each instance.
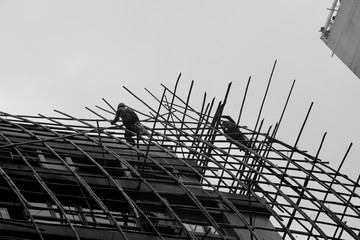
(341, 33)
(69, 178)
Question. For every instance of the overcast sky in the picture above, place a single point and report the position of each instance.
(67, 55)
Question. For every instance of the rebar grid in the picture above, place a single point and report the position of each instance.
(183, 181)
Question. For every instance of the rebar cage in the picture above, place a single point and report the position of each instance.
(64, 177)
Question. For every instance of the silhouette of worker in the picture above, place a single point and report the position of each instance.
(232, 130)
(130, 121)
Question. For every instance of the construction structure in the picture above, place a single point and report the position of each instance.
(341, 32)
(69, 178)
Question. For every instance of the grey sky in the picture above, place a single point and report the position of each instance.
(66, 55)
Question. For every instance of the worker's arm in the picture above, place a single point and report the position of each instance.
(117, 116)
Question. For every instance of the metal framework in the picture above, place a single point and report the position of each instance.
(186, 180)
(329, 20)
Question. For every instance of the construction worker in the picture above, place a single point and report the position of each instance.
(130, 121)
(232, 130)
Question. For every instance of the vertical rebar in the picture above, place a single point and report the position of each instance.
(265, 95)
(243, 101)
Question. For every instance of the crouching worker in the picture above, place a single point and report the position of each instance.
(131, 122)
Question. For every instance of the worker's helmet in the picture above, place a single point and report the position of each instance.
(121, 105)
